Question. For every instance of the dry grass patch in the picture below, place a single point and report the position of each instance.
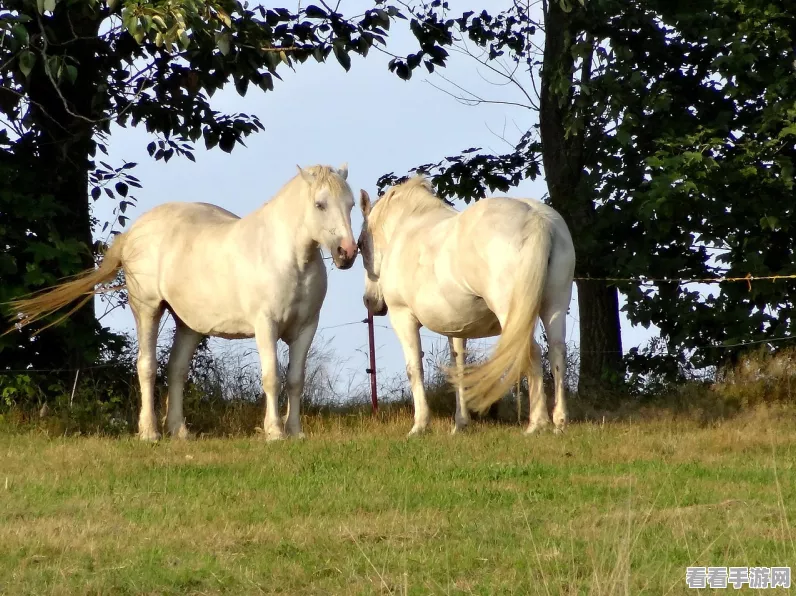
(614, 508)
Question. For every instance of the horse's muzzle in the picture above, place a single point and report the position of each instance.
(345, 255)
(342, 262)
(377, 308)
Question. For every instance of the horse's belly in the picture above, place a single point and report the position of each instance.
(207, 320)
(468, 318)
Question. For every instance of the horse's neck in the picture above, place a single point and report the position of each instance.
(407, 219)
(283, 216)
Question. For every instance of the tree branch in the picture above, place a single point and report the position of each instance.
(474, 99)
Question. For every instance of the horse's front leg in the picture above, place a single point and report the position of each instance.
(407, 328)
(296, 368)
(265, 335)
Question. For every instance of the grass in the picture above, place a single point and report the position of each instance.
(617, 508)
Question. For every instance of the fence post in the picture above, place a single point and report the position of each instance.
(372, 370)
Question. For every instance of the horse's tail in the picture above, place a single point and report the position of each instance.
(516, 352)
(45, 302)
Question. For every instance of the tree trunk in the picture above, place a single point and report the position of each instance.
(600, 335)
(563, 132)
(63, 116)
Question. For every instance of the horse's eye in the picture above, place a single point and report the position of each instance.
(320, 205)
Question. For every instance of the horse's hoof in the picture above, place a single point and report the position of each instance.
(182, 433)
(275, 435)
(558, 430)
(149, 436)
(417, 431)
(458, 429)
(536, 428)
(293, 431)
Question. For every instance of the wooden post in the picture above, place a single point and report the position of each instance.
(372, 370)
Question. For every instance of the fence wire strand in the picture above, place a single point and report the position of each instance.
(749, 278)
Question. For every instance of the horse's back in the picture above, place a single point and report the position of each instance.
(176, 214)
(175, 225)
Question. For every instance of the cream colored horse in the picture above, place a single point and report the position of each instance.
(261, 276)
(493, 269)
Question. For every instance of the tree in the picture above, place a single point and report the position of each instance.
(653, 137)
(69, 68)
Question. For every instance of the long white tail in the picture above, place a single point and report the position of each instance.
(516, 353)
(83, 285)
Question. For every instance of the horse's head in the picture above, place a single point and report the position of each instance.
(370, 245)
(328, 215)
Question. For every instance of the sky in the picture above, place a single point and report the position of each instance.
(319, 114)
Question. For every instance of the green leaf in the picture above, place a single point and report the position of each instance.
(26, 61)
(788, 130)
(342, 56)
(185, 40)
(623, 137)
(222, 41)
(122, 188)
(49, 5)
(71, 73)
(224, 18)
(241, 85)
(315, 12)
(20, 32)
(693, 156)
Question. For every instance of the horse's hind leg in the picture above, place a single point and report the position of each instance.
(147, 319)
(462, 417)
(266, 337)
(185, 342)
(537, 404)
(555, 324)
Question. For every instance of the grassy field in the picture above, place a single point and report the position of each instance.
(615, 508)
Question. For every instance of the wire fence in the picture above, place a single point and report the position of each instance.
(749, 278)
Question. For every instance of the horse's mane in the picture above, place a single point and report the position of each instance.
(326, 177)
(322, 177)
(413, 197)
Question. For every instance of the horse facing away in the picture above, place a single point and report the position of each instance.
(259, 276)
(495, 268)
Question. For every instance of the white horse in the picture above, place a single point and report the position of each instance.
(493, 269)
(260, 276)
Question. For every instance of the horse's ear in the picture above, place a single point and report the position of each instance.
(342, 171)
(364, 202)
(309, 178)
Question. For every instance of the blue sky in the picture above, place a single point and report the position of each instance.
(367, 117)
